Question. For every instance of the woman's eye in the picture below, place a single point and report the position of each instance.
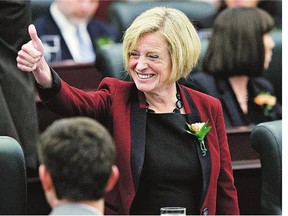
(153, 57)
(134, 54)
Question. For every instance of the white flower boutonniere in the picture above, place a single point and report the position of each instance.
(199, 130)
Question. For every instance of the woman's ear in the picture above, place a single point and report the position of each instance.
(45, 178)
(112, 179)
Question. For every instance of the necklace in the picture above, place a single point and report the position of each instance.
(178, 105)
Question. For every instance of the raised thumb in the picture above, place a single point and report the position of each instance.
(35, 39)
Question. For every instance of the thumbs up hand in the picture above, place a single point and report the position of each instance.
(35, 39)
(31, 59)
(31, 53)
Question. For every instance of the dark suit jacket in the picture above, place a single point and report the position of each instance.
(122, 108)
(46, 25)
(18, 114)
(233, 114)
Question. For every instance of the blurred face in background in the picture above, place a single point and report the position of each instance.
(241, 3)
(78, 11)
(269, 45)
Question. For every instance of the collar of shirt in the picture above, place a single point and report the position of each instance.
(69, 206)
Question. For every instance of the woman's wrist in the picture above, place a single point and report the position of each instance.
(42, 74)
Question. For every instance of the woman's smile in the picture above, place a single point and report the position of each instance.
(144, 76)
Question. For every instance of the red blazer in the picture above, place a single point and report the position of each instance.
(122, 109)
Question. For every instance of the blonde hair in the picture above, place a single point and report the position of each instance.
(182, 38)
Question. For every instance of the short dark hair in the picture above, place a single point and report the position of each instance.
(236, 46)
(78, 153)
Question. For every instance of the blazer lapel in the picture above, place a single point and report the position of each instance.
(205, 161)
(138, 136)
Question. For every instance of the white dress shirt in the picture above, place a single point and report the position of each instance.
(68, 31)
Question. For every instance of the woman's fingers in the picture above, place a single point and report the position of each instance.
(28, 57)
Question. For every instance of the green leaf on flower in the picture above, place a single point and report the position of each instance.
(200, 134)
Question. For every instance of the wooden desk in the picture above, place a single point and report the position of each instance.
(246, 169)
(242, 154)
(81, 75)
(84, 76)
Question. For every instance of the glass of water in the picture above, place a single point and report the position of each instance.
(52, 49)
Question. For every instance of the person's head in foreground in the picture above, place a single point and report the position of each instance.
(77, 158)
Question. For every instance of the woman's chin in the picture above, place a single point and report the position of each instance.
(144, 87)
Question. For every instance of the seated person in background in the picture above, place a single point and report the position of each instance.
(270, 6)
(234, 63)
(76, 166)
(74, 31)
(223, 4)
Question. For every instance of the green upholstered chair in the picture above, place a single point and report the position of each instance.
(13, 186)
(121, 14)
(109, 61)
(39, 7)
(266, 139)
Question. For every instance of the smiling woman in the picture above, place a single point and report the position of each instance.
(160, 163)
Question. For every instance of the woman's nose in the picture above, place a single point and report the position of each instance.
(142, 63)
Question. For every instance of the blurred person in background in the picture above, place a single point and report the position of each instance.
(18, 113)
(70, 31)
(273, 7)
(236, 59)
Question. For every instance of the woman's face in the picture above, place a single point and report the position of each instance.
(150, 63)
(268, 45)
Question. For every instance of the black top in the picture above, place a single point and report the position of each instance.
(171, 174)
